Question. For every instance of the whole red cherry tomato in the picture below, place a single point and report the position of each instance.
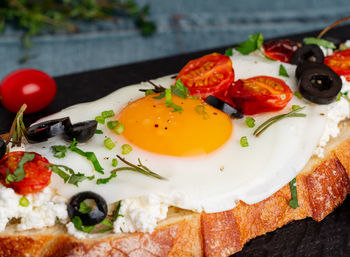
(259, 94)
(36, 175)
(280, 50)
(208, 75)
(339, 61)
(27, 86)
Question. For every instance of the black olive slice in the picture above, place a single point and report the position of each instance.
(310, 53)
(2, 148)
(82, 131)
(223, 106)
(319, 85)
(308, 65)
(97, 214)
(42, 131)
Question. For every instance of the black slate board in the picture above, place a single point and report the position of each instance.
(328, 238)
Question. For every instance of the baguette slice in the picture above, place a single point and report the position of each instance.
(322, 185)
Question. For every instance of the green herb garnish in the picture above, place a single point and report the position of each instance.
(200, 109)
(109, 144)
(229, 52)
(112, 124)
(244, 141)
(250, 122)
(293, 189)
(98, 131)
(149, 92)
(295, 107)
(319, 42)
(180, 90)
(116, 212)
(17, 128)
(59, 151)
(107, 114)
(126, 149)
(78, 224)
(254, 42)
(84, 208)
(298, 95)
(340, 95)
(71, 177)
(140, 168)
(100, 119)
(283, 72)
(114, 162)
(106, 180)
(277, 118)
(89, 155)
(19, 173)
(24, 202)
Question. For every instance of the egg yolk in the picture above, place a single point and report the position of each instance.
(152, 126)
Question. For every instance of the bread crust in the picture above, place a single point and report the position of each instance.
(321, 186)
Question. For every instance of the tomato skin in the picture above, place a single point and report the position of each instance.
(27, 86)
(259, 94)
(208, 75)
(37, 175)
(280, 50)
(339, 61)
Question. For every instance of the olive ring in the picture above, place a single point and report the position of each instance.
(95, 216)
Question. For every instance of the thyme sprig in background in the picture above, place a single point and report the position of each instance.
(37, 16)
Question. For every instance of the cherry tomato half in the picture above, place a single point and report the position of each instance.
(207, 75)
(260, 94)
(280, 50)
(27, 86)
(37, 175)
(339, 61)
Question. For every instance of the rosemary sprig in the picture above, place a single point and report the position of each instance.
(140, 168)
(17, 129)
(271, 121)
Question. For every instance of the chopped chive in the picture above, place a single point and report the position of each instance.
(98, 131)
(297, 94)
(283, 72)
(295, 107)
(107, 114)
(114, 162)
(24, 202)
(119, 129)
(244, 141)
(126, 149)
(149, 92)
(112, 124)
(250, 122)
(109, 143)
(100, 119)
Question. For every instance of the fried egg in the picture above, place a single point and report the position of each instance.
(198, 151)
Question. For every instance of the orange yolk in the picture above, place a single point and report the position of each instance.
(152, 126)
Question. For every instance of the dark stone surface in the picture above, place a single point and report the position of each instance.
(329, 238)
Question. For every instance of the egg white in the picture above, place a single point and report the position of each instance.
(210, 183)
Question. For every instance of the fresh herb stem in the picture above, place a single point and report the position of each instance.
(277, 118)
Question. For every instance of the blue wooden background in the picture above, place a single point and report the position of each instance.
(183, 26)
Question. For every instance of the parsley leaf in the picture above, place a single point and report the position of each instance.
(72, 178)
(283, 72)
(180, 90)
(84, 208)
(19, 173)
(106, 180)
(89, 155)
(254, 42)
(293, 189)
(59, 151)
(319, 42)
(78, 224)
(229, 52)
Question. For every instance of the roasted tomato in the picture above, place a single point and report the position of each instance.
(340, 62)
(208, 75)
(36, 175)
(259, 94)
(280, 50)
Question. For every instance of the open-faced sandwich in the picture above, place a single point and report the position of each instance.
(196, 164)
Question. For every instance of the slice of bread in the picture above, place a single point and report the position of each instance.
(322, 185)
